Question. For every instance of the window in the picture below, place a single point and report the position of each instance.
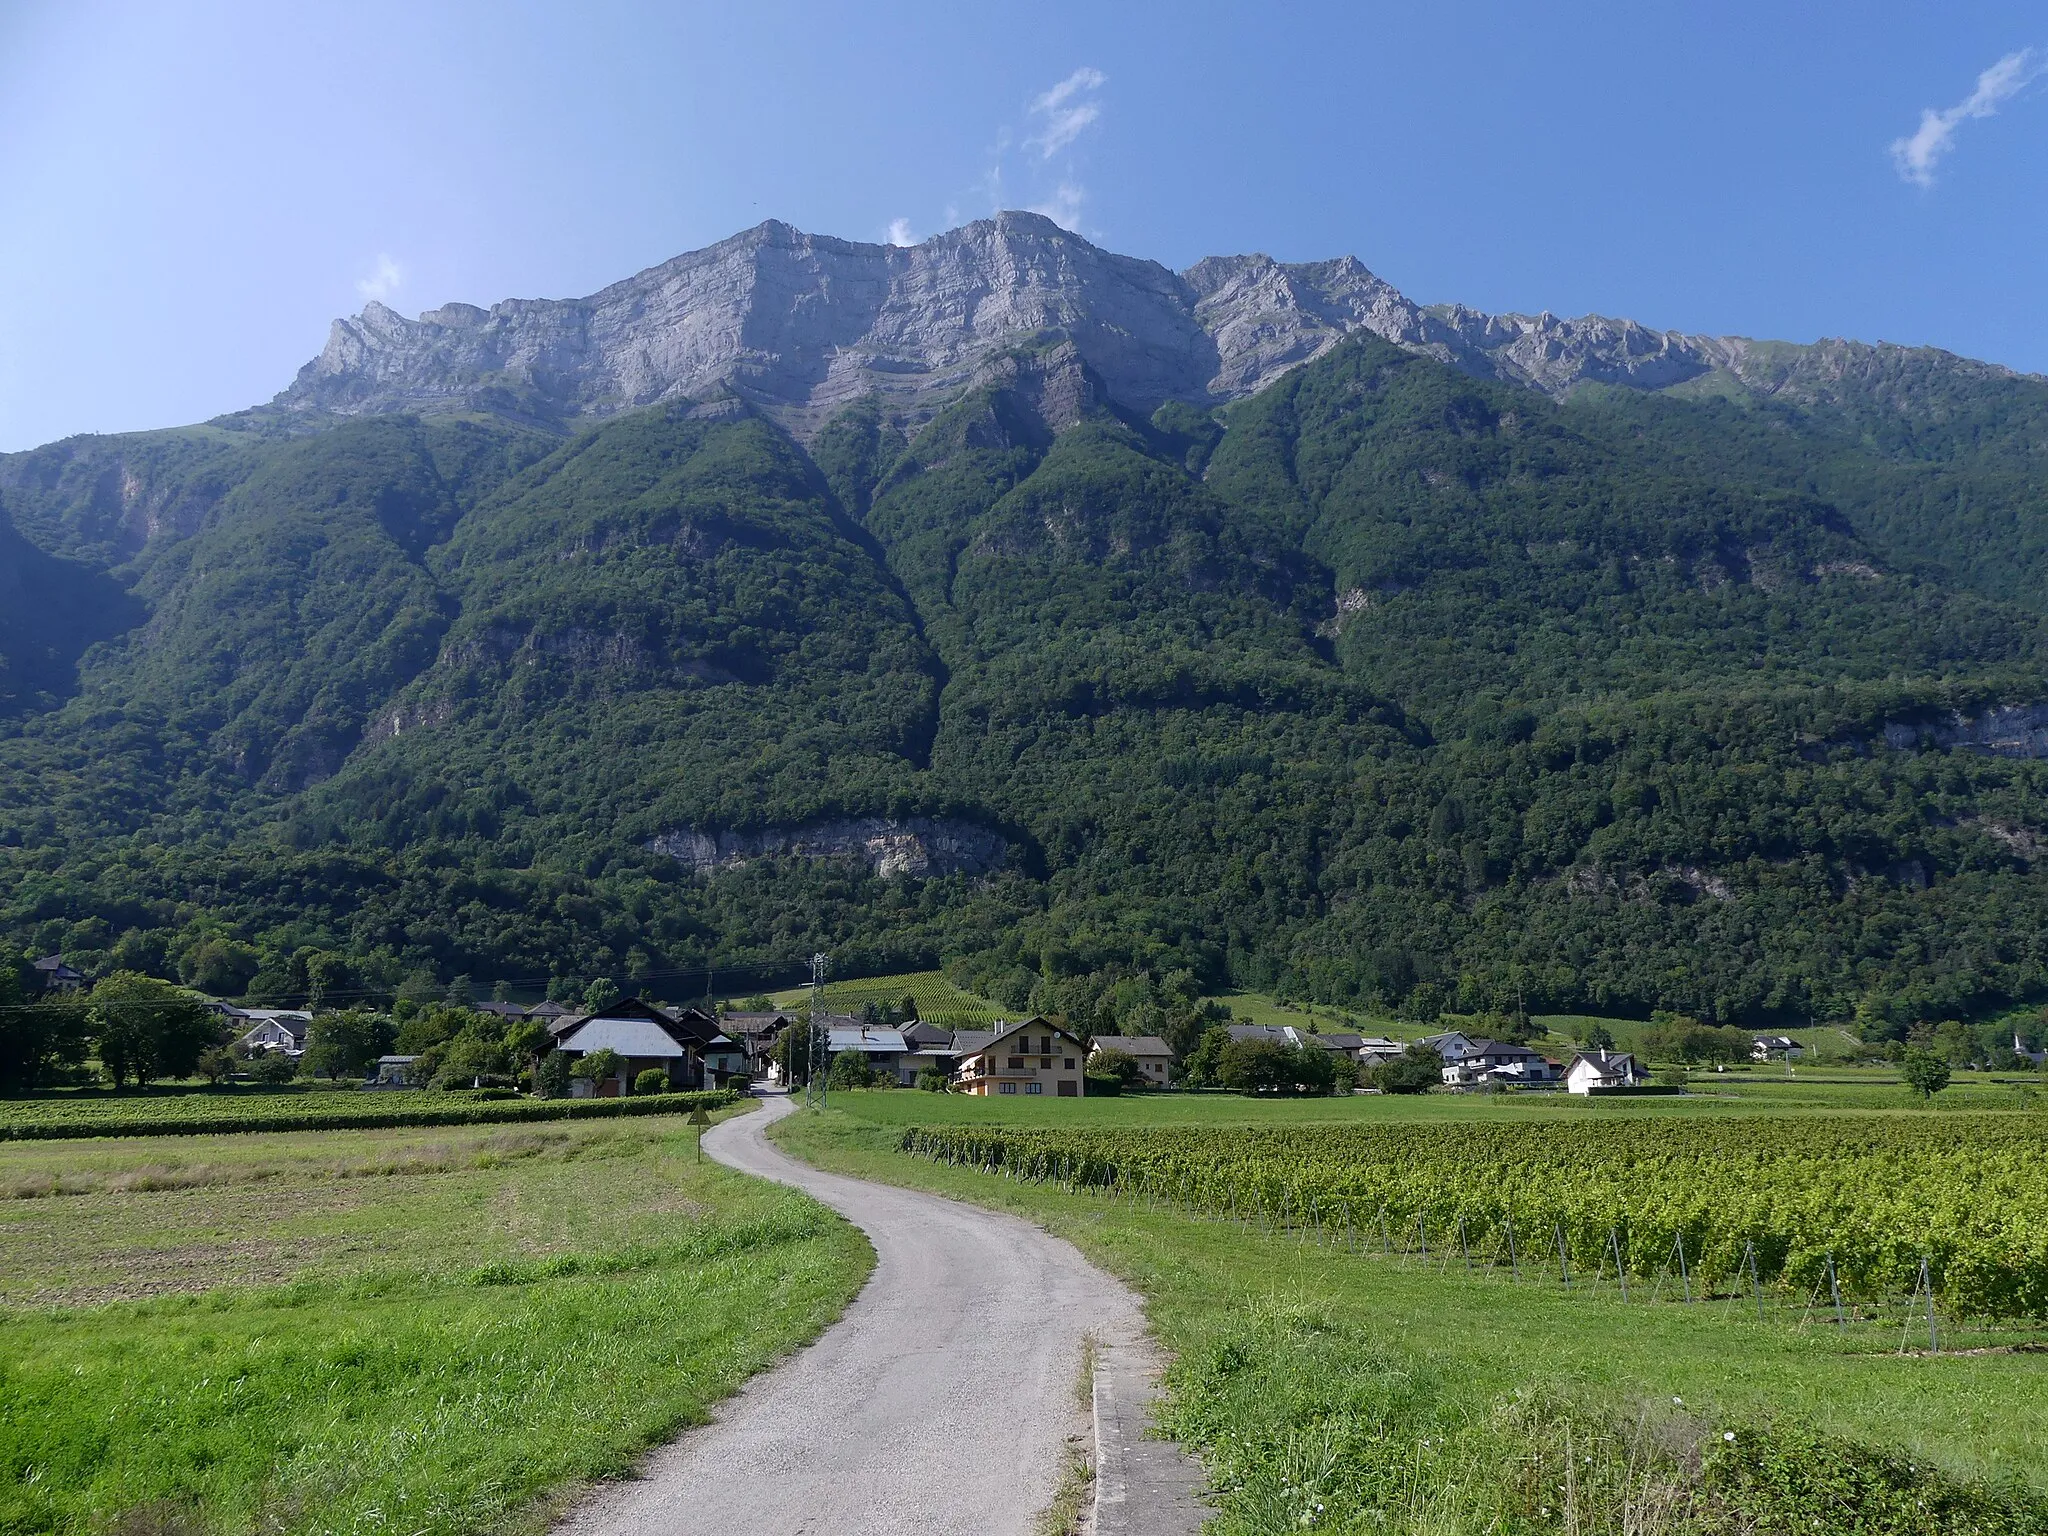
(1016, 1063)
(1009, 1087)
(1068, 1063)
(1033, 1087)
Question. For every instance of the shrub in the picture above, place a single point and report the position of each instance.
(1416, 1070)
(932, 1080)
(1101, 1085)
(850, 1069)
(273, 1067)
(653, 1080)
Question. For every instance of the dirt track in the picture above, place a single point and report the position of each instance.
(940, 1405)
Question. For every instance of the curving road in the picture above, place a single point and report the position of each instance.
(940, 1405)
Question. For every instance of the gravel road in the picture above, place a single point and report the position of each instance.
(942, 1404)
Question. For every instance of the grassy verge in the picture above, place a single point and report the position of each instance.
(390, 1330)
(1331, 1392)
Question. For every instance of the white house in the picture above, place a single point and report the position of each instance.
(1597, 1071)
(1499, 1061)
(275, 1029)
(1764, 1047)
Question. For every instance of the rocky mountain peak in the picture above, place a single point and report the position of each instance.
(799, 325)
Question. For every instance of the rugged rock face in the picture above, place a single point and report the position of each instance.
(916, 846)
(799, 325)
(2015, 730)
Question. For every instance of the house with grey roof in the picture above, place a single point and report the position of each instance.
(1603, 1072)
(1155, 1058)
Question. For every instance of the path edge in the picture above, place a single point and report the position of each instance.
(1144, 1486)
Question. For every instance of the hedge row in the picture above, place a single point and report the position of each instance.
(487, 1112)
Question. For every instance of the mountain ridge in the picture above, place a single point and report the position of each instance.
(801, 325)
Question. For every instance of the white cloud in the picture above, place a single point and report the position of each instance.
(1917, 154)
(1066, 111)
(899, 232)
(382, 283)
(1064, 206)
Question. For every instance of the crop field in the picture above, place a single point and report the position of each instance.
(1861, 1207)
(203, 1112)
(442, 1330)
(1330, 1386)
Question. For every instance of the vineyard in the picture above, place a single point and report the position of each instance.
(1848, 1209)
(203, 1114)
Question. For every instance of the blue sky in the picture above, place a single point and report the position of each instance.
(190, 192)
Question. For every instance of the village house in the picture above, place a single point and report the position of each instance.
(883, 1049)
(56, 976)
(1153, 1055)
(274, 1029)
(1034, 1057)
(931, 1050)
(1499, 1061)
(1778, 1047)
(756, 1034)
(1602, 1072)
(394, 1072)
(686, 1045)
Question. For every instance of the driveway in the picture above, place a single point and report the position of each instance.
(942, 1404)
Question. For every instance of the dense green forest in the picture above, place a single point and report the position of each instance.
(1387, 686)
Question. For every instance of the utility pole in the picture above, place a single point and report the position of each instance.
(816, 1089)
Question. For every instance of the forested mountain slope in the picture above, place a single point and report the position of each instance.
(1391, 679)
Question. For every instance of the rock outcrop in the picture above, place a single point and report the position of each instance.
(799, 325)
(915, 845)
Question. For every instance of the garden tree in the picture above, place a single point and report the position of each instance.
(1419, 1069)
(272, 1067)
(147, 1029)
(1925, 1072)
(1202, 1066)
(1954, 1042)
(652, 1080)
(600, 994)
(1674, 1037)
(1598, 1038)
(346, 1044)
(527, 1040)
(1267, 1066)
(42, 1041)
(933, 1080)
(1121, 1065)
(216, 1064)
(551, 1077)
(850, 1069)
(792, 1053)
(600, 1065)
(906, 1010)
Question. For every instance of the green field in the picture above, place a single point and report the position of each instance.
(938, 1000)
(1328, 1390)
(171, 1112)
(412, 1331)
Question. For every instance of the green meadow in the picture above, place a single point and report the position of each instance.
(404, 1330)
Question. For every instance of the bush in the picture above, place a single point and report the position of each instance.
(850, 1069)
(273, 1067)
(1416, 1070)
(932, 1080)
(653, 1080)
(1101, 1085)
